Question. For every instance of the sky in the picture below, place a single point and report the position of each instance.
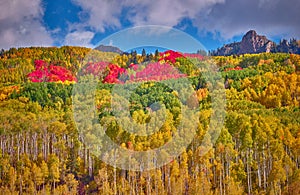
(86, 23)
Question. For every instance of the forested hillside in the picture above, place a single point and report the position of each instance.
(42, 152)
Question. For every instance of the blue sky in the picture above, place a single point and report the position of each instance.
(87, 22)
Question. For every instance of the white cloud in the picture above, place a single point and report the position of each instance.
(21, 20)
(102, 13)
(21, 25)
(105, 14)
(79, 38)
(225, 18)
(167, 12)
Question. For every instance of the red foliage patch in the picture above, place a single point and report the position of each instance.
(97, 69)
(134, 66)
(114, 73)
(45, 72)
(170, 56)
(193, 55)
(157, 72)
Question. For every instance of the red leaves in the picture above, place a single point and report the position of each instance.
(193, 55)
(171, 53)
(134, 66)
(97, 69)
(157, 72)
(170, 56)
(114, 73)
(152, 72)
(39, 64)
(130, 145)
(110, 72)
(235, 68)
(50, 73)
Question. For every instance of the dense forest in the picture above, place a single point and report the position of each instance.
(42, 151)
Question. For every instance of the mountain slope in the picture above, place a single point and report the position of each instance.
(108, 48)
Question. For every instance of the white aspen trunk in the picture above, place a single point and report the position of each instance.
(248, 172)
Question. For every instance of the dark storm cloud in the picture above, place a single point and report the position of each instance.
(269, 17)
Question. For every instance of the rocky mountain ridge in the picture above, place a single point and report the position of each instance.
(254, 43)
(108, 48)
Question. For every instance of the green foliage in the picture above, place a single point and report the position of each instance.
(46, 94)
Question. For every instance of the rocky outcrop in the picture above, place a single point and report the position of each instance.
(283, 47)
(254, 43)
(292, 46)
(228, 49)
